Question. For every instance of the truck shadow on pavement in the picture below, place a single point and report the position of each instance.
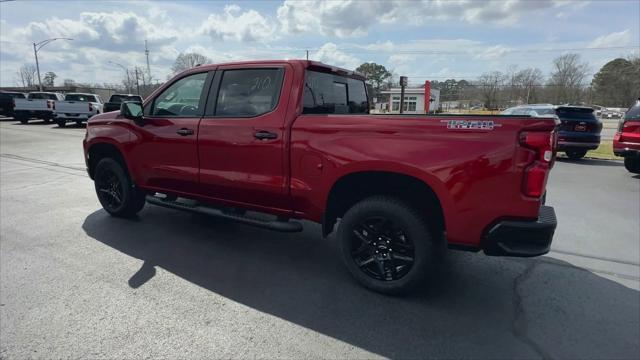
(475, 306)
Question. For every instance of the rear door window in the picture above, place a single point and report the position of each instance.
(326, 93)
(248, 92)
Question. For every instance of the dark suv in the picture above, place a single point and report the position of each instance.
(579, 129)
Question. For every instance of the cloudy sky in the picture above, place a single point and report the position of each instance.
(421, 39)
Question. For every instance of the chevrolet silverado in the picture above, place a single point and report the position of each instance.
(269, 143)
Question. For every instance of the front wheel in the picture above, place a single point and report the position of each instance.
(115, 190)
(23, 120)
(576, 154)
(61, 123)
(387, 245)
(632, 164)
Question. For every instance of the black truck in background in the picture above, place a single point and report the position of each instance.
(116, 100)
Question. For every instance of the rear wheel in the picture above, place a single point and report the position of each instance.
(61, 123)
(23, 120)
(387, 245)
(115, 190)
(576, 154)
(632, 164)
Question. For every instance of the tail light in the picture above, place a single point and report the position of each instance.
(90, 107)
(53, 106)
(543, 145)
(49, 104)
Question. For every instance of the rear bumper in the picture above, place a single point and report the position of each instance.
(623, 148)
(39, 114)
(578, 140)
(73, 117)
(522, 238)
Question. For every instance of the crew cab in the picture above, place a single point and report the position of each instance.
(626, 141)
(579, 129)
(77, 107)
(117, 99)
(6, 102)
(269, 143)
(39, 105)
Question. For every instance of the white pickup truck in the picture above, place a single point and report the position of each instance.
(77, 107)
(39, 105)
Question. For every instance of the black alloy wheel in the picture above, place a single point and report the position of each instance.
(115, 190)
(109, 189)
(388, 245)
(381, 249)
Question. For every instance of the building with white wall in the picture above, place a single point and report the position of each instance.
(414, 100)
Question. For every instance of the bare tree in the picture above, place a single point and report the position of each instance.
(49, 78)
(489, 85)
(27, 75)
(567, 78)
(188, 60)
(525, 82)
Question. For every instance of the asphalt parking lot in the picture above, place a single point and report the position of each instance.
(75, 282)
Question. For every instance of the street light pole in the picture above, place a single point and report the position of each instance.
(36, 48)
(126, 71)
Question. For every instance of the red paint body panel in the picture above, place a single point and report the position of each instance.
(629, 137)
(477, 174)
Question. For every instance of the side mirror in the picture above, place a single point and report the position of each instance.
(132, 111)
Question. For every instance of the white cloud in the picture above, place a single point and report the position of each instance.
(118, 31)
(330, 54)
(236, 25)
(621, 38)
(353, 18)
(493, 53)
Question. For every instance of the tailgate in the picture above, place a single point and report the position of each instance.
(31, 104)
(72, 107)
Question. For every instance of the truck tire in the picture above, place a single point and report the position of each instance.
(387, 245)
(117, 194)
(23, 120)
(576, 154)
(61, 123)
(632, 164)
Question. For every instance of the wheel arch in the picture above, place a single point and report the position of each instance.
(353, 187)
(101, 150)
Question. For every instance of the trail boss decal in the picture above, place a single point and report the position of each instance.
(471, 124)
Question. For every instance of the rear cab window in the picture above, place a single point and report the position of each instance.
(42, 96)
(329, 93)
(80, 98)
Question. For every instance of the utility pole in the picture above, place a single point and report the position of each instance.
(403, 84)
(307, 54)
(146, 52)
(36, 48)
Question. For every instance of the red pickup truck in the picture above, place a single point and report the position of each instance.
(268, 143)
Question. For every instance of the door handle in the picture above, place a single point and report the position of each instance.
(184, 132)
(265, 135)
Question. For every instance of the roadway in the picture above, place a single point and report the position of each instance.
(75, 282)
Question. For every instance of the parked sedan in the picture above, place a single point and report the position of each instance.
(579, 129)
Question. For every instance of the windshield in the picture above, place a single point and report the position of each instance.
(80, 97)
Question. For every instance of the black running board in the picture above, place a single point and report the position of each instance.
(276, 225)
